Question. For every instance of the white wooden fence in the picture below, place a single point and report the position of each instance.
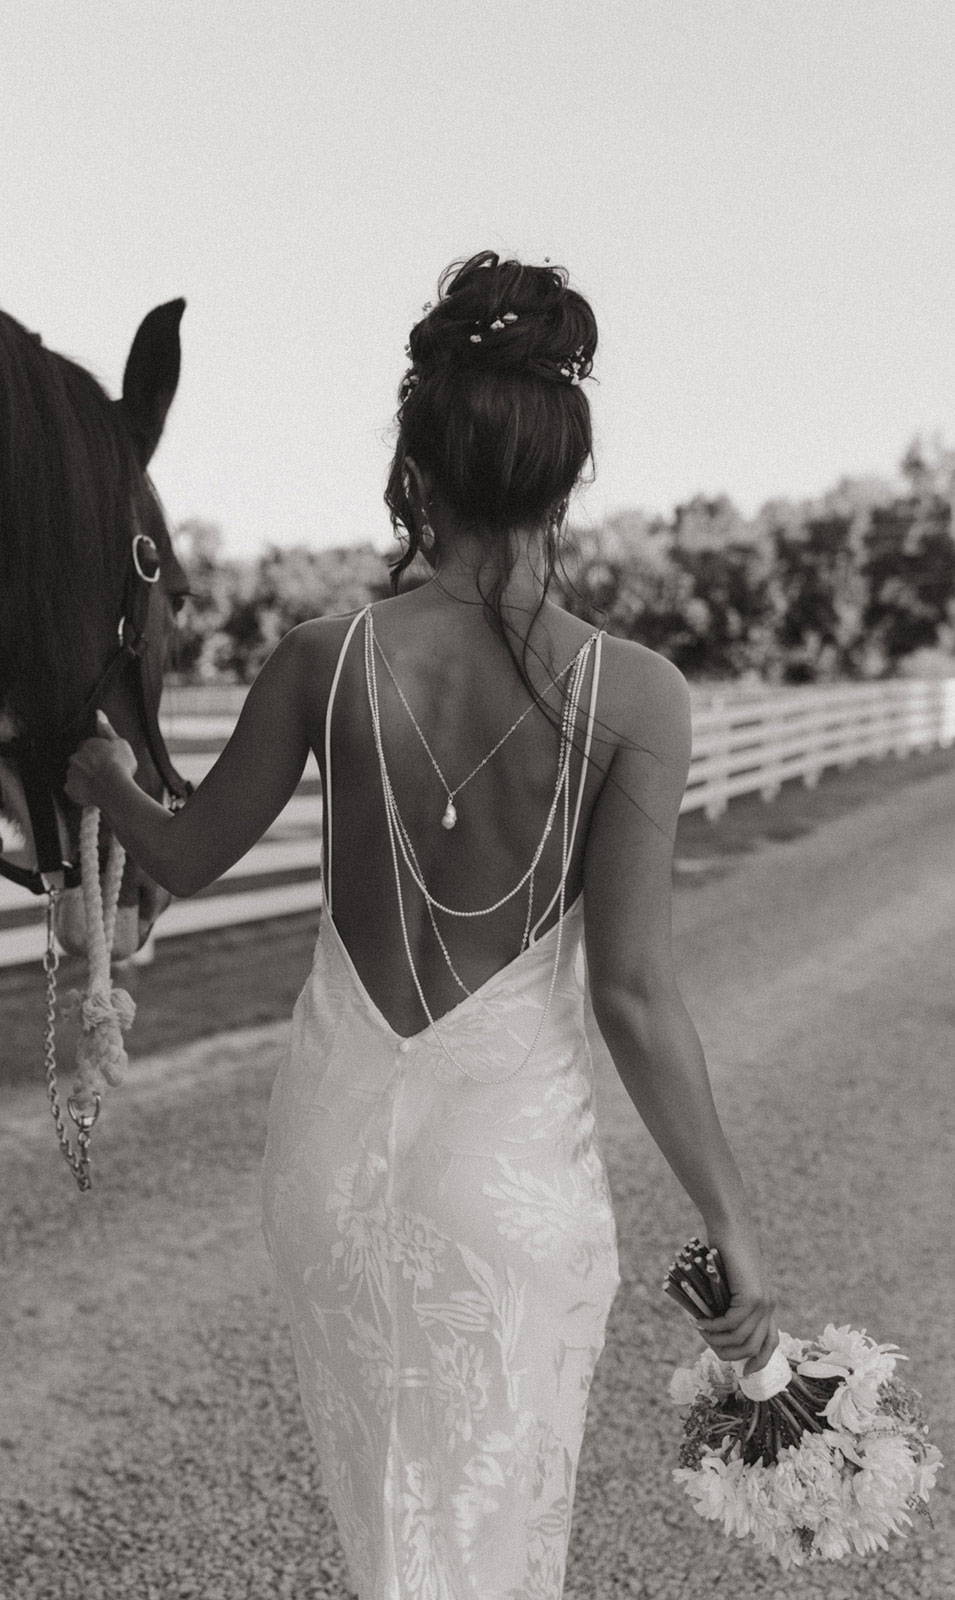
(743, 743)
(754, 743)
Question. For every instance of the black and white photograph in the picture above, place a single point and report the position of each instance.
(477, 800)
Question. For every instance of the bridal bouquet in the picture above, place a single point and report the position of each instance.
(821, 1453)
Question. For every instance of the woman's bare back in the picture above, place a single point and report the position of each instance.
(465, 692)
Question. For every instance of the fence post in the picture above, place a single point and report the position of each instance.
(946, 732)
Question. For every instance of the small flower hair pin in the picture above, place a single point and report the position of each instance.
(571, 368)
(496, 326)
(408, 383)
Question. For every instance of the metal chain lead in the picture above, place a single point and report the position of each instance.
(78, 1163)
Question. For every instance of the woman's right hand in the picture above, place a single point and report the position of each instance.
(748, 1330)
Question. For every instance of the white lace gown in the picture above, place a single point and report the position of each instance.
(446, 1249)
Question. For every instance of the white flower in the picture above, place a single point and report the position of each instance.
(848, 1350)
(845, 1443)
(685, 1385)
(926, 1471)
(713, 1487)
(708, 1376)
(817, 1468)
(793, 1349)
(888, 1477)
(719, 1374)
(855, 1403)
(832, 1542)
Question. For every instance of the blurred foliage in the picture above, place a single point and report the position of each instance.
(846, 585)
(237, 612)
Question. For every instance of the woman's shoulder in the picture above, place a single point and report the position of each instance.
(643, 687)
(319, 639)
(313, 647)
(632, 659)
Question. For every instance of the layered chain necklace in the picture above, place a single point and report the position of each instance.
(450, 815)
(400, 839)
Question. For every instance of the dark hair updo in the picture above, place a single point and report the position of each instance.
(492, 405)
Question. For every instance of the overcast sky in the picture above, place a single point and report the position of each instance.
(756, 195)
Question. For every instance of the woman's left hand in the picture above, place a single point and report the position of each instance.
(94, 760)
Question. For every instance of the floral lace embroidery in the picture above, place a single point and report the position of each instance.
(447, 1296)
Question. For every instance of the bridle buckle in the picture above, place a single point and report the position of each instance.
(151, 554)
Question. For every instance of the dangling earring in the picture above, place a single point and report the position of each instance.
(427, 549)
(426, 531)
(557, 516)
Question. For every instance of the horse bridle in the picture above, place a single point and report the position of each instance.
(143, 569)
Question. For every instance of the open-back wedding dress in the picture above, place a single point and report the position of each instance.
(437, 1211)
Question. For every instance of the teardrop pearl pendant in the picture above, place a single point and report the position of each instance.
(450, 815)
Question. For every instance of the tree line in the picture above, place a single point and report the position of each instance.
(843, 586)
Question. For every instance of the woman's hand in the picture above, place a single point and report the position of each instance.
(749, 1328)
(95, 760)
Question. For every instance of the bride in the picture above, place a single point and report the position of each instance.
(501, 786)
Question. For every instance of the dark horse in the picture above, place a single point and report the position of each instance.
(89, 583)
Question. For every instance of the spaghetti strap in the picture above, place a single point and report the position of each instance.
(598, 645)
(327, 795)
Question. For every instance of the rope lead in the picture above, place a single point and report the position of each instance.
(104, 1012)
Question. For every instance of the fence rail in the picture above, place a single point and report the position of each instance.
(742, 744)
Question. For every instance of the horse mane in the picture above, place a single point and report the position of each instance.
(72, 493)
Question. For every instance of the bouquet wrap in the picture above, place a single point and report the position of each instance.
(769, 1380)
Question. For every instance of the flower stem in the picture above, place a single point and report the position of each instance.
(683, 1300)
(799, 1410)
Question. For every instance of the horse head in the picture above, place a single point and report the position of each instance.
(89, 584)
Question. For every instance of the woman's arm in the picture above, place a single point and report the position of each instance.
(243, 793)
(628, 869)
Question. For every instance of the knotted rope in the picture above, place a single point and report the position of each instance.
(104, 1012)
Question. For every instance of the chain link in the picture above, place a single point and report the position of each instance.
(78, 1162)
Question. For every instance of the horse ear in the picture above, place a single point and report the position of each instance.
(151, 376)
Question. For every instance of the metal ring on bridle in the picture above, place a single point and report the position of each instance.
(84, 1119)
(153, 554)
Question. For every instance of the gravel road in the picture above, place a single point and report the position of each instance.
(151, 1442)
